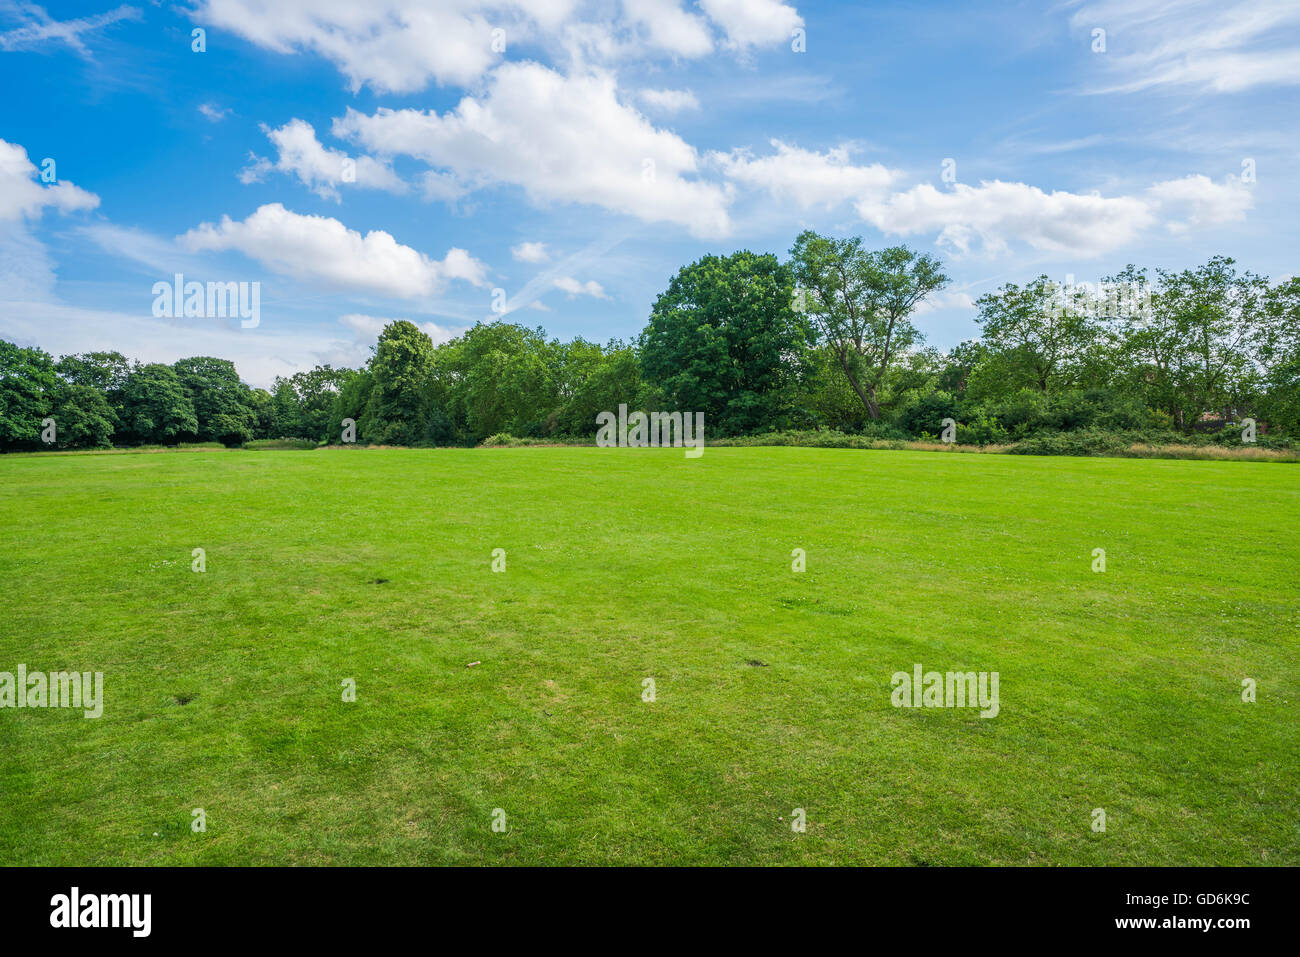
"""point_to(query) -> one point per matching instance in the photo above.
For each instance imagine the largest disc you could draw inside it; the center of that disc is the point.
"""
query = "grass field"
(1119, 690)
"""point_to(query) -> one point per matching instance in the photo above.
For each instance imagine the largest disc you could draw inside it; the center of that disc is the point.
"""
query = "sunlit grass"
(1119, 690)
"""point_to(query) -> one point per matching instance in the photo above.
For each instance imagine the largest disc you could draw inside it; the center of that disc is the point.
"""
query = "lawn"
(1119, 690)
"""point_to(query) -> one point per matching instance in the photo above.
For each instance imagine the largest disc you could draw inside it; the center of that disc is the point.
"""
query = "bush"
(926, 414)
(504, 440)
(982, 429)
(262, 445)
(1082, 442)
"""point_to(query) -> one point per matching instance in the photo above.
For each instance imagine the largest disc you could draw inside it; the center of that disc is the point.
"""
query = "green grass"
(1119, 690)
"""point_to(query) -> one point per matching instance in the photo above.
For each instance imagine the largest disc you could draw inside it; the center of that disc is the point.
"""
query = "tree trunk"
(869, 402)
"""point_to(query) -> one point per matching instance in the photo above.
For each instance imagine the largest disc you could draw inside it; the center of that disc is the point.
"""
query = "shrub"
(926, 414)
(982, 429)
(262, 445)
(1082, 442)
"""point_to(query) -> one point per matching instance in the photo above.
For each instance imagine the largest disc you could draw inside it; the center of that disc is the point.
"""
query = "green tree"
(957, 366)
(724, 340)
(27, 383)
(1043, 334)
(862, 302)
(397, 409)
(303, 403)
(603, 378)
(1279, 355)
(498, 377)
(262, 405)
(84, 418)
(221, 402)
(155, 406)
(350, 403)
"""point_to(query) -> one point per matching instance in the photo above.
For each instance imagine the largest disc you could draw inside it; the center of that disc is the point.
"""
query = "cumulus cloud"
(320, 169)
(561, 139)
(322, 249)
(1195, 201)
(991, 216)
(994, 214)
(806, 177)
(666, 26)
(368, 328)
(574, 288)
(750, 23)
(22, 195)
(530, 252)
(395, 46)
(669, 101)
(400, 46)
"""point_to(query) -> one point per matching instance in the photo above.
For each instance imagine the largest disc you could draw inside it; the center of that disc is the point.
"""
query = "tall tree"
(1279, 355)
(303, 403)
(155, 406)
(1041, 332)
(724, 340)
(1218, 317)
(27, 383)
(221, 402)
(398, 406)
(84, 417)
(862, 303)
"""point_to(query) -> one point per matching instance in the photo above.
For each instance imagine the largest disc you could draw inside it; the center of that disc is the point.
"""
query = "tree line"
(824, 340)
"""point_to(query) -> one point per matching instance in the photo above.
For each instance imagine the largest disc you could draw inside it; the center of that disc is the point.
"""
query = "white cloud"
(668, 27)
(40, 28)
(161, 255)
(212, 113)
(993, 215)
(753, 22)
(22, 196)
(530, 252)
(562, 139)
(369, 327)
(996, 213)
(808, 178)
(1216, 46)
(26, 269)
(574, 288)
(320, 169)
(400, 46)
(321, 249)
(1196, 201)
(395, 46)
(669, 101)
(944, 299)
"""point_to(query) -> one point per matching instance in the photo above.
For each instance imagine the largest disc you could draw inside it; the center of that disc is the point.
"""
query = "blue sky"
(421, 160)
